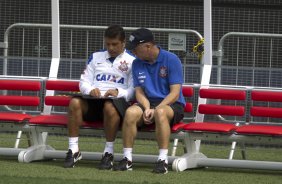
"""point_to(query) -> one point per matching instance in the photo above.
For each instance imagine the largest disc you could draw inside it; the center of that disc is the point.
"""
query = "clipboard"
(88, 96)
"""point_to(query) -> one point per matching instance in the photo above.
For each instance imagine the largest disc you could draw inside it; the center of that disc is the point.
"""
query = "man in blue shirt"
(157, 77)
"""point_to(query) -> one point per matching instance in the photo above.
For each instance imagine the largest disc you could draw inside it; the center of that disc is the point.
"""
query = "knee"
(132, 114)
(75, 104)
(109, 109)
(159, 113)
(160, 116)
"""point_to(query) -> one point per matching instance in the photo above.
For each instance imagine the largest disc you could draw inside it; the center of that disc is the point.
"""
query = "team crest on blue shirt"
(123, 66)
(163, 71)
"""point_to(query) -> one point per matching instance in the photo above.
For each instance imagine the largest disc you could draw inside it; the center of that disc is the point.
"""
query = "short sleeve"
(175, 70)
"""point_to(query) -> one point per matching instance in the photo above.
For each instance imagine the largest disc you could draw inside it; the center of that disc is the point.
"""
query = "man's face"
(141, 51)
(114, 46)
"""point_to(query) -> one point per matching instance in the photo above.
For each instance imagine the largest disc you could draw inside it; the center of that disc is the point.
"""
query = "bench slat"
(15, 117)
(24, 85)
(58, 100)
(270, 96)
(273, 112)
(224, 94)
(221, 109)
(19, 100)
(60, 120)
(260, 129)
(210, 127)
(72, 86)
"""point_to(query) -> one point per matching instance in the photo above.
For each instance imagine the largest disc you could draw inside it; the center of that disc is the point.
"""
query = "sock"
(163, 155)
(127, 152)
(109, 147)
(73, 144)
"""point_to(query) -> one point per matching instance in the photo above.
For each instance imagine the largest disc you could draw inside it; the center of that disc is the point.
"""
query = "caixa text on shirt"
(110, 78)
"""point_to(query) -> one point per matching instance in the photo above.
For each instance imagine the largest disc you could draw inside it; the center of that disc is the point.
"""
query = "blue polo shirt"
(155, 79)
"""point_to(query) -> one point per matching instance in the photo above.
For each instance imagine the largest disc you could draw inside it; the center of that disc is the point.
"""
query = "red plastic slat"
(225, 94)
(25, 85)
(188, 107)
(60, 120)
(260, 129)
(273, 112)
(19, 100)
(187, 91)
(57, 100)
(178, 126)
(222, 109)
(16, 117)
(269, 96)
(209, 127)
(62, 85)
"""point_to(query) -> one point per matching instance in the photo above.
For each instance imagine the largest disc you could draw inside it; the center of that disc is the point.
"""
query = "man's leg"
(77, 108)
(111, 124)
(133, 117)
(163, 115)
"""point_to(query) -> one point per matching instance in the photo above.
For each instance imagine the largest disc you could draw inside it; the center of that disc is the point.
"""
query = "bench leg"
(33, 153)
(243, 151)
(39, 146)
(231, 154)
(174, 147)
(19, 135)
(188, 160)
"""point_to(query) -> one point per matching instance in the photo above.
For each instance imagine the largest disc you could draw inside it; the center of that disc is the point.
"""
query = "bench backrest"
(266, 104)
(31, 88)
(222, 102)
(61, 89)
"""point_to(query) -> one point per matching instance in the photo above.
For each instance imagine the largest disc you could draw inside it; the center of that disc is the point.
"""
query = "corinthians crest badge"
(163, 71)
(123, 66)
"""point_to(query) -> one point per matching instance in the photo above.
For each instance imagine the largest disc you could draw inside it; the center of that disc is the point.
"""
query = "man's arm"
(141, 98)
(172, 96)
(86, 79)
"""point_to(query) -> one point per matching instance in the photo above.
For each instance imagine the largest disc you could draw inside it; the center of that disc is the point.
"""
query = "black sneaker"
(106, 162)
(71, 159)
(161, 167)
(123, 165)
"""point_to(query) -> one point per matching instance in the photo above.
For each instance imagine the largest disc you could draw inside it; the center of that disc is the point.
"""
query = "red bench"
(254, 121)
(56, 122)
(20, 99)
(11, 100)
(217, 110)
(266, 110)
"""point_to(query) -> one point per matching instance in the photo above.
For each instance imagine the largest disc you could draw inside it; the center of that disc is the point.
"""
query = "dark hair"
(115, 31)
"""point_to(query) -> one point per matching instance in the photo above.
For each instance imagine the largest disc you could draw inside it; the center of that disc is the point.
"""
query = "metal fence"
(28, 51)
(255, 60)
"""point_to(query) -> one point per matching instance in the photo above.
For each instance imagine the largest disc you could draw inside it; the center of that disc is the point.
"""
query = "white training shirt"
(103, 74)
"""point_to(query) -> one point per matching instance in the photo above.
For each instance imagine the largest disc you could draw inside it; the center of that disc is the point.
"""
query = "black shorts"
(95, 108)
(177, 108)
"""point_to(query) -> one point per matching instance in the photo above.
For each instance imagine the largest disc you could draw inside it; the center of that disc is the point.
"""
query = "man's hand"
(95, 92)
(148, 116)
(111, 92)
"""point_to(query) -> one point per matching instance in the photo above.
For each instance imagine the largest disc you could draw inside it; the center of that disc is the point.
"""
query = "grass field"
(86, 171)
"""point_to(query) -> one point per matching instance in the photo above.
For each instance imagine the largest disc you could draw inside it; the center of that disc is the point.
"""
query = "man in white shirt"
(108, 74)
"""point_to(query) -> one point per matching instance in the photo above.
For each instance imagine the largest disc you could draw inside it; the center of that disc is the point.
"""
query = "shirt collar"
(108, 55)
